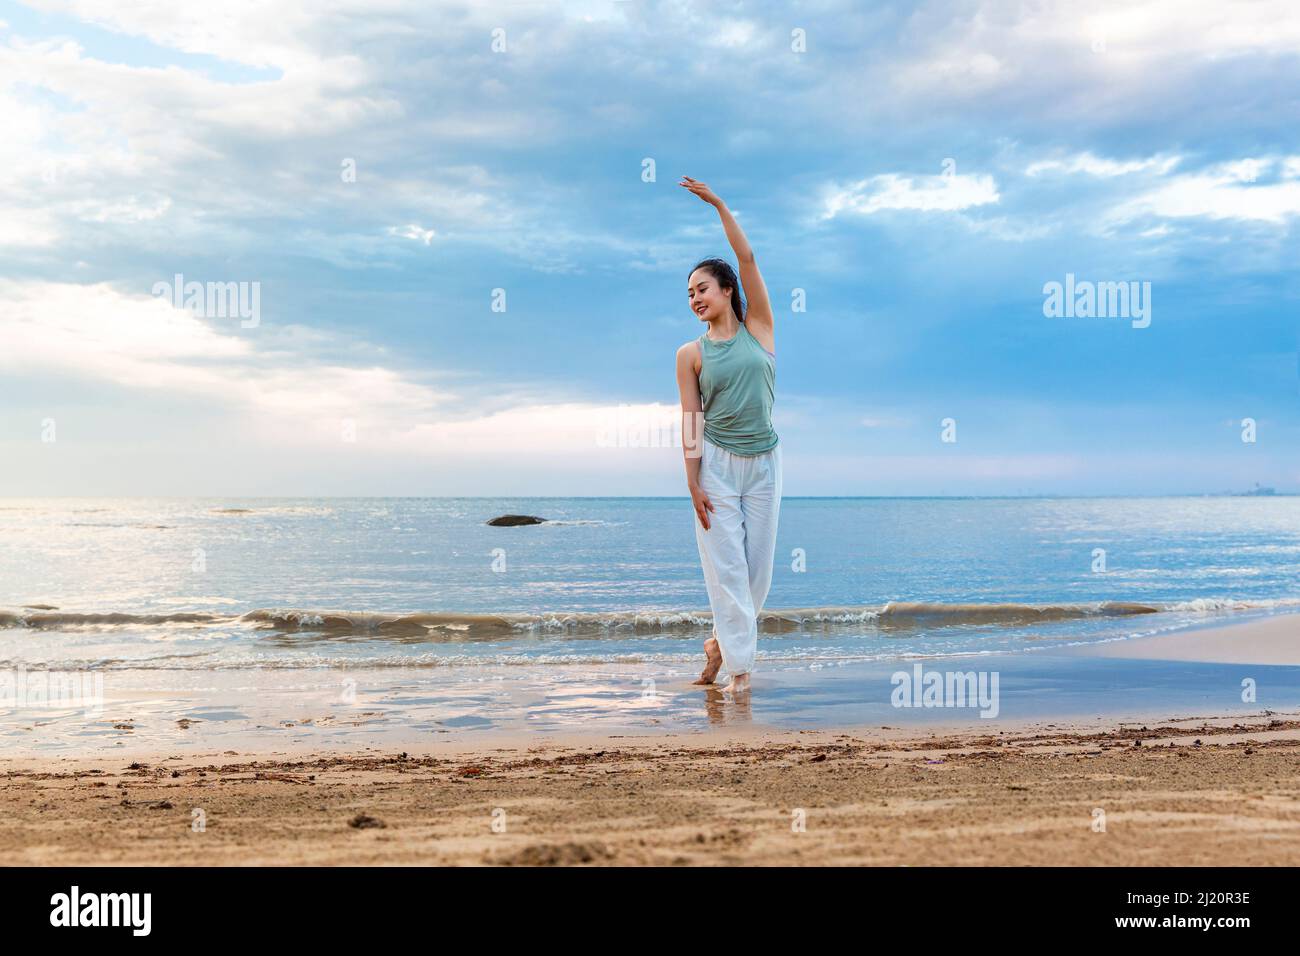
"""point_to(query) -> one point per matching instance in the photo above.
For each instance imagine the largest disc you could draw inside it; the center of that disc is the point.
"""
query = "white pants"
(738, 549)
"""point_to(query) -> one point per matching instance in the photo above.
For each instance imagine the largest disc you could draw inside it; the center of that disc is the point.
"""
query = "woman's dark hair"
(725, 276)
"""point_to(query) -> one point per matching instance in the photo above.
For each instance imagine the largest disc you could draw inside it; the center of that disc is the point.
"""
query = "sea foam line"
(641, 621)
(453, 624)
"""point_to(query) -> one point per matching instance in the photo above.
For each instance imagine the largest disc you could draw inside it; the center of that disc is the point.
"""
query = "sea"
(331, 621)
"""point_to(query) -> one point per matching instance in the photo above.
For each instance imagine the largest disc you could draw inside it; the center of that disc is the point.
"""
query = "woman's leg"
(761, 505)
(722, 556)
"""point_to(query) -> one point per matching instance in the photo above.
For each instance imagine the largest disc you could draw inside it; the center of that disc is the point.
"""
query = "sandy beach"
(1185, 792)
(1187, 789)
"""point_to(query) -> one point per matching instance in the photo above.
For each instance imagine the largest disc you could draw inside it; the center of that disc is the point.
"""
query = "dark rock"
(509, 521)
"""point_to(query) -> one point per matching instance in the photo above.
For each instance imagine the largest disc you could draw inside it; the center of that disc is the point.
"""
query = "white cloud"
(1228, 191)
(241, 31)
(127, 209)
(1105, 168)
(94, 142)
(1244, 170)
(1157, 29)
(28, 227)
(732, 34)
(97, 334)
(940, 193)
(412, 231)
(586, 429)
(1058, 66)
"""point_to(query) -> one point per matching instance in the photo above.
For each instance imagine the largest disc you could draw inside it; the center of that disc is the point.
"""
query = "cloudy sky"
(470, 253)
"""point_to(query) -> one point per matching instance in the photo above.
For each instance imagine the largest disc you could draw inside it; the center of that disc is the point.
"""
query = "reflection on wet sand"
(722, 707)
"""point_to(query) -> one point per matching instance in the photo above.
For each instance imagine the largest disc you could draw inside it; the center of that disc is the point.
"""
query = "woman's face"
(708, 300)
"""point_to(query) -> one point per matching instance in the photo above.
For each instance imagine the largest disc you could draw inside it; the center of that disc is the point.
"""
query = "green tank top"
(737, 385)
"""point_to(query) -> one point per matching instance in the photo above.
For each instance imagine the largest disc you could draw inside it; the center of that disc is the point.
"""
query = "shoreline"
(1199, 670)
(1272, 640)
(1196, 779)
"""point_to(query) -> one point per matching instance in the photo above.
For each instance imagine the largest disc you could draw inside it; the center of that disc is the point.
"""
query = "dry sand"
(1213, 792)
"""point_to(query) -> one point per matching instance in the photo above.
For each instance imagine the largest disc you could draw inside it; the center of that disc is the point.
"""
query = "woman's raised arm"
(758, 311)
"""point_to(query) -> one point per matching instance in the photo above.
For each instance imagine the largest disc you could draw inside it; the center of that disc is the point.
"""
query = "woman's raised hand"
(701, 189)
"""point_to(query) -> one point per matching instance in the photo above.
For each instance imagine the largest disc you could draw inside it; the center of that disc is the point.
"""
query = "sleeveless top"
(737, 385)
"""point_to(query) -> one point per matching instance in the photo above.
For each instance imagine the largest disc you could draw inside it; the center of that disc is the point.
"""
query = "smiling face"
(708, 300)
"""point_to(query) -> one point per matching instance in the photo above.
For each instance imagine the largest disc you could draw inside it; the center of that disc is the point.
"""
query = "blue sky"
(919, 170)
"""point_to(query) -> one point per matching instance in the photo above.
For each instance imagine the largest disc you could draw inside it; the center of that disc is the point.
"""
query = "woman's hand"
(702, 505)
(702, 190)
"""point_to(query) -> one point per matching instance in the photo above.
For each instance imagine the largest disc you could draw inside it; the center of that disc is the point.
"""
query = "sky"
(464, 253)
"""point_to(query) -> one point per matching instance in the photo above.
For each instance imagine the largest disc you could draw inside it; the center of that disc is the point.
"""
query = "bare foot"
(714, 664)
(739, 683)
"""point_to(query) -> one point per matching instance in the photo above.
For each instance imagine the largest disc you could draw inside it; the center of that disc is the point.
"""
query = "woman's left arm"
(758, 311)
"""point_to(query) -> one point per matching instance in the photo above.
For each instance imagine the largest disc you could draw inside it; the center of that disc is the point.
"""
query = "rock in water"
(509, 521)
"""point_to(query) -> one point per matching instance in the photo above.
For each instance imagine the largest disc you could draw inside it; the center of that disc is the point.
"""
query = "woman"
(727, 377)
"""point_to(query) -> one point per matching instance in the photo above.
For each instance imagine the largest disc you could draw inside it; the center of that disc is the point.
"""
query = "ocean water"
(293, 608)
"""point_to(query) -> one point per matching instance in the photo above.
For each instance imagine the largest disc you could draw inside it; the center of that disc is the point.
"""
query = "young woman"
(727, 378)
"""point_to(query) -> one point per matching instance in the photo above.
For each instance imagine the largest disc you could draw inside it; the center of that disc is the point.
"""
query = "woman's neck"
(724, 329)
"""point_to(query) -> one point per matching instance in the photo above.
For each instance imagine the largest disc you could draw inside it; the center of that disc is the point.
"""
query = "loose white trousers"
(738, 549)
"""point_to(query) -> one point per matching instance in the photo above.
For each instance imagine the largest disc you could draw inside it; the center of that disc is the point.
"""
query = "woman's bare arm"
(688, 386)
(758, 313)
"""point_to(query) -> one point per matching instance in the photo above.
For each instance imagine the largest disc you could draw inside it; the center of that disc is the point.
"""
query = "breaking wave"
(622, 622)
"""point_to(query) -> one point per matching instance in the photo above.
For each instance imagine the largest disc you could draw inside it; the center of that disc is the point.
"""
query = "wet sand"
(1223, 791)
(1270, 640)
